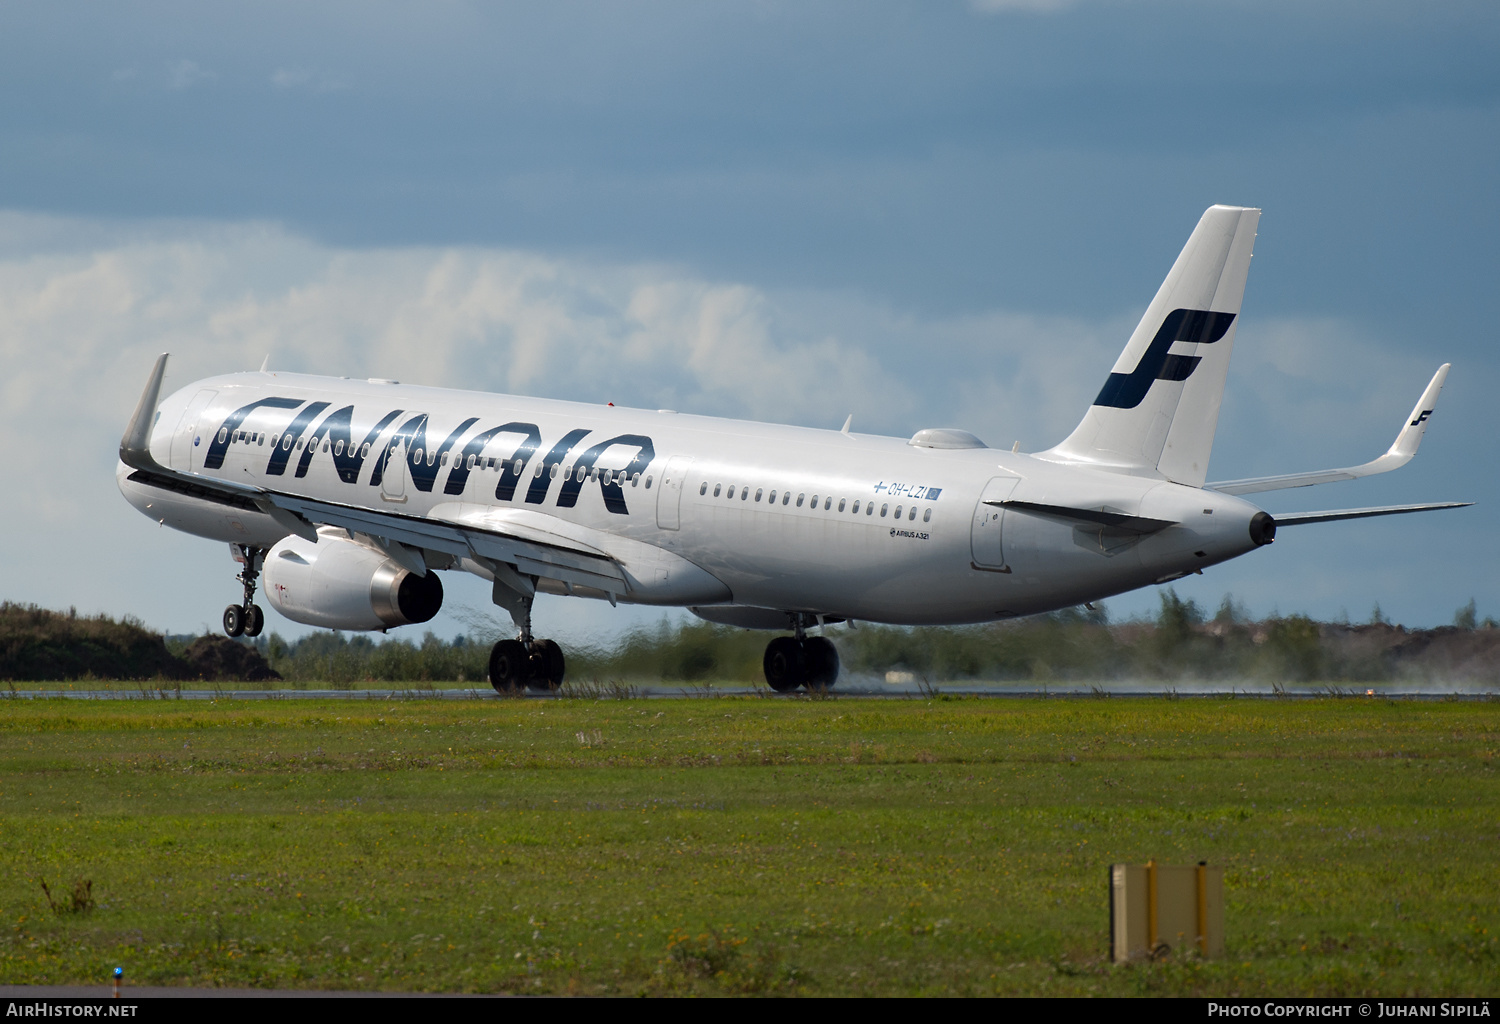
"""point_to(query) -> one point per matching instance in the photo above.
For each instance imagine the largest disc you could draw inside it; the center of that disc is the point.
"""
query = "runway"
(622, 692)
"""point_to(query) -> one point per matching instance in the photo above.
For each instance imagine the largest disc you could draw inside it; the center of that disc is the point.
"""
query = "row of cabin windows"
(473, 462)
(786, 499)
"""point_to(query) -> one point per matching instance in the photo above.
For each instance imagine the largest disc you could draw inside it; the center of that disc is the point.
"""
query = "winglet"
(1416, 423)
(135, 445)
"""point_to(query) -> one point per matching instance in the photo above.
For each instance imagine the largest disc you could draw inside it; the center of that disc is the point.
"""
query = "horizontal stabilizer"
(1091, 516)
(1398, 455)
(1333, 515)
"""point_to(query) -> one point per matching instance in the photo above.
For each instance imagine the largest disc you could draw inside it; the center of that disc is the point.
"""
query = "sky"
(937, 213)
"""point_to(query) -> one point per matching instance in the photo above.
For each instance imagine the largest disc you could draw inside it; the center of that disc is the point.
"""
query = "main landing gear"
(523, 663)
(246, 619)
(801, 660)
(526, 664)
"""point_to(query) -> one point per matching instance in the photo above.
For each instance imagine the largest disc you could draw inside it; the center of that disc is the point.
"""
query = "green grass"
(745, 845)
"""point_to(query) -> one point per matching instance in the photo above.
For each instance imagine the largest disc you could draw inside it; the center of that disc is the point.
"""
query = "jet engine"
(342, 584)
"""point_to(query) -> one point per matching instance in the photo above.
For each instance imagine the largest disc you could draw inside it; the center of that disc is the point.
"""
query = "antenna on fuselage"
(265, 362)
(847, 423)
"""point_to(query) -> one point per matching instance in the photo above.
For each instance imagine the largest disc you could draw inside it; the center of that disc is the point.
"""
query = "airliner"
(348, 498)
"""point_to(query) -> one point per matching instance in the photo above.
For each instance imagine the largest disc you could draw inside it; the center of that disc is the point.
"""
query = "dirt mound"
(218, 657)
(41, 645)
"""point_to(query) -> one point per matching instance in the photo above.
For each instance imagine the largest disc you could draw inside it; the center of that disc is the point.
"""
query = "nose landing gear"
(246, 618)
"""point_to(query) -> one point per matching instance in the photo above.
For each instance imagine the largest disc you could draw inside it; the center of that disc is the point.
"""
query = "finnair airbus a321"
(349, 496)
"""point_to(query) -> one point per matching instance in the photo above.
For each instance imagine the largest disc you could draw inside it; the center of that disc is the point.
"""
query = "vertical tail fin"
(1159, 408)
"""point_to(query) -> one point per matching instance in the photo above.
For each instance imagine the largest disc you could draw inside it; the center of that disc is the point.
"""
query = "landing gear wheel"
(547, 665)
(822, 663)
(234, 620)
(255, 620)
(509, 666)
(785, 664)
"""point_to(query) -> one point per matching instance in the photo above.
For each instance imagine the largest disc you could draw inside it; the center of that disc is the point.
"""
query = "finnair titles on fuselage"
(349, 496)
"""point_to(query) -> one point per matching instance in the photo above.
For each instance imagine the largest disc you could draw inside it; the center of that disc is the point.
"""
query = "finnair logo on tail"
(1191, 326)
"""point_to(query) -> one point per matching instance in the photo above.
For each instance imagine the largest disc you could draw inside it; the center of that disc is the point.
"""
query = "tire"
(547, 657)
(509, 665)
(255, 621)
(785, 664)
(234, 620)
(822, 663)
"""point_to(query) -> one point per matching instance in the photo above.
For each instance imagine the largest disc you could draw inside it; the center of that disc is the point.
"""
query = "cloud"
(299, 78)
(287, 78)
(85, 307)
(184, 74)
(1028, 6)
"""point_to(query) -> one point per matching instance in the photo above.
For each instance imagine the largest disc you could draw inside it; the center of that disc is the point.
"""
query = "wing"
(1398, 455)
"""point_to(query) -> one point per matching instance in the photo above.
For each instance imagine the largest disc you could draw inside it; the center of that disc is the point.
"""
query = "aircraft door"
(393, 480)
(669, 497)
(985, 534)
(186, 455)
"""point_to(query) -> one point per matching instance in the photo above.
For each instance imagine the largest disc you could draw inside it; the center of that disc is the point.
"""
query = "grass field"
(744, 845)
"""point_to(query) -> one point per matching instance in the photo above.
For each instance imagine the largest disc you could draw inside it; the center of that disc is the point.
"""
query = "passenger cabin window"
(364, 450)
(828, 504)
(286, 442)
(758, 492)
(338, 447)
(841, 504)
(927, 516)
(869, 508)
(703, 488)
(635, 479)
(882, 510)
(786, 496)
(800, 497)
(912, 515)
(773, 497)
(898, 511)
(717, 488)
(223, 434)
(552, 473)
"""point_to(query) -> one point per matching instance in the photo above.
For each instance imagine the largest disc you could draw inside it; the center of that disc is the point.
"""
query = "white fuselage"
(819, 521)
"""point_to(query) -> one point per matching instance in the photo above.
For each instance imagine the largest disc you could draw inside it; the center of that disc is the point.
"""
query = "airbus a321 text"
(348, 498)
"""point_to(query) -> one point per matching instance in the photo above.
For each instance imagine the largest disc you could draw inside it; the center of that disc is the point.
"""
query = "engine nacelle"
(340, 584)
